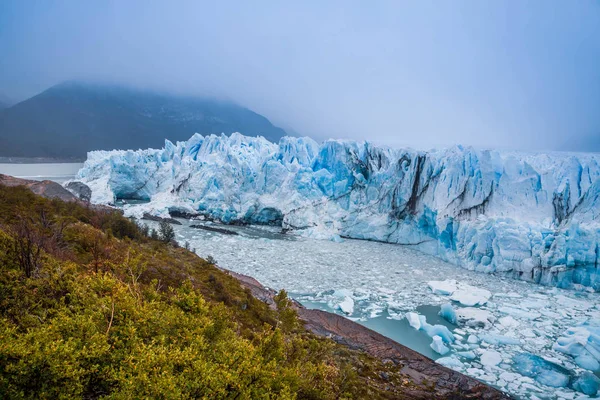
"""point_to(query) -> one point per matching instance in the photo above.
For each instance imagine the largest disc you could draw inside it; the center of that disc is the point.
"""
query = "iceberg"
(448, 313)
(438, 345)
(529, 216)
(587, 383)
(543, 371)
(583, 344)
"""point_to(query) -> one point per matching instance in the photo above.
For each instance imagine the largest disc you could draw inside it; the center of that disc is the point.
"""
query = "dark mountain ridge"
(72, 118)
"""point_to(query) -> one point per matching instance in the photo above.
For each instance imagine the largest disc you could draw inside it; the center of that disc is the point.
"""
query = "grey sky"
(511, 74)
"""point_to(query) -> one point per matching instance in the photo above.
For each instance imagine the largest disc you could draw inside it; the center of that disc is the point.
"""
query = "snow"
(528, 216)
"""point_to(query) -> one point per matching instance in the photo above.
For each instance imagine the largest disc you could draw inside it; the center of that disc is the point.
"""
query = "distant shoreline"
(39, 160)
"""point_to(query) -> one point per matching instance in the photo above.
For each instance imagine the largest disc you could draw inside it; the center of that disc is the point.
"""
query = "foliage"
(167, 233)
(103, 311)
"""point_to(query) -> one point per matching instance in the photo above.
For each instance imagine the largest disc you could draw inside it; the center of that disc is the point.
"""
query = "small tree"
(167, 233)
(288, 319)
(154, 234)
(28, 243)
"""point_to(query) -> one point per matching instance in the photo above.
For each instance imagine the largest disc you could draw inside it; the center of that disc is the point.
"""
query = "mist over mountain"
(72, 118)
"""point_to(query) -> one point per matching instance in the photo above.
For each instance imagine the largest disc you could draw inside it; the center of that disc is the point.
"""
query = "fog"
(505, 74)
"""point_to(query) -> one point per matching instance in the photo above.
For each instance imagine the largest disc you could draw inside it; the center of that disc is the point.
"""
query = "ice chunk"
(490, 358)
(446, 287)
(468, 295)
(508, 322)
(587, 383)
(413, 320)
(450, 362)
(347, 305)
(474, 317)
(545, 372)
(438, 345)
(469, 355)
(494, 338)
(583, 344)
(447, 312)
(436, 330)
(517, 312)
(473, 339)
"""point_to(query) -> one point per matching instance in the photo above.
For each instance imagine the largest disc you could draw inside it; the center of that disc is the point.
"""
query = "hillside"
(72, 118)
(94, 306)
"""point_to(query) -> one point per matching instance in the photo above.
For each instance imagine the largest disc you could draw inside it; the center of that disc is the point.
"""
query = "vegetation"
(167, 233)
(92, 307)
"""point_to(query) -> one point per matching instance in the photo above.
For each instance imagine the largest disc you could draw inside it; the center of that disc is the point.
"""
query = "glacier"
(529, 216)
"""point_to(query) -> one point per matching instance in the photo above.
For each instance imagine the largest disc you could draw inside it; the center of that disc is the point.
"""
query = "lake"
(58, 172)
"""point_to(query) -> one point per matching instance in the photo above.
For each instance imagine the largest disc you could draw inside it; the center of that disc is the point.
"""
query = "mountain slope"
(72, 118)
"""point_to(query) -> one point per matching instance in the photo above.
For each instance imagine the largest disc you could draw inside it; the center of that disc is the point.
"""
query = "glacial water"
(58, 172)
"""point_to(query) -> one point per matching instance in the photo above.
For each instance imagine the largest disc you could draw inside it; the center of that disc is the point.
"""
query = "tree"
(28, 243)
(167, 233)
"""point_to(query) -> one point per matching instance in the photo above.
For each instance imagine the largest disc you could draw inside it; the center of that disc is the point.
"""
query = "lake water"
(39, 172)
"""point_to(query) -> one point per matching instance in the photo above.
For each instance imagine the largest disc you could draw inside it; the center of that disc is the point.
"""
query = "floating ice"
(490, 358)
(447, 312)
(474, 317)
(436, 330)
(347, 305)
(450, 362)
(466, 354)
(493, 338)
(587, 383)
(583, 344)
(473, 339)
(543, 371)
(468, 295)
(438, 345)
(446, 287)
(413, 320)
(461, 292)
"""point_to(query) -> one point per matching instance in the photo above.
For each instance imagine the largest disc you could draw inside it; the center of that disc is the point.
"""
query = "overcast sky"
(509, 74)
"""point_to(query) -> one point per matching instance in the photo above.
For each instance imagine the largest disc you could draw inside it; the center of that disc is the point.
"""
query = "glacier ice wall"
(530, 216)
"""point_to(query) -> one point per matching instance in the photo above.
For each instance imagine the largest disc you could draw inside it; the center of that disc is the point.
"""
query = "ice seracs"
(528, 216)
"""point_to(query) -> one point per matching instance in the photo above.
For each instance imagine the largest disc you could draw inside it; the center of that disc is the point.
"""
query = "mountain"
(530, 216)
(73, 118)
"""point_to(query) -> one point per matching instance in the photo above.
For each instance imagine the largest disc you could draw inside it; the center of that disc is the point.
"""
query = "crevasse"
(530, 216)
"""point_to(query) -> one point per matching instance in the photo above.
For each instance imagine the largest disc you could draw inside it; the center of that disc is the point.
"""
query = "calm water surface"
(58, 172)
